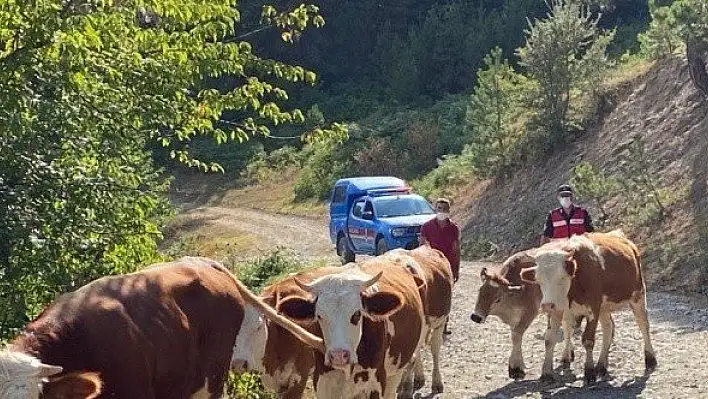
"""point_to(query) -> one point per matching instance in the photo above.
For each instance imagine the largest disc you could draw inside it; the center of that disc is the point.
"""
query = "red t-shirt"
(443, 237)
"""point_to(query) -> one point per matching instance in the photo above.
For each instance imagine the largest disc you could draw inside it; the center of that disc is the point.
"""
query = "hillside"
(500, 216)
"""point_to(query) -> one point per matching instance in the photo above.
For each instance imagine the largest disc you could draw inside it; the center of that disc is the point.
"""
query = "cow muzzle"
(339, 358)
(239, 365)
(548, 307)
(477, 318)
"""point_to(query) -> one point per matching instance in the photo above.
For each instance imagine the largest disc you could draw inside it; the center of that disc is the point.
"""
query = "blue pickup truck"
(370, 215)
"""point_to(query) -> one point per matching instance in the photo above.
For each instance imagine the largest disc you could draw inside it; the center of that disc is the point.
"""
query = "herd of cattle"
(174, 330)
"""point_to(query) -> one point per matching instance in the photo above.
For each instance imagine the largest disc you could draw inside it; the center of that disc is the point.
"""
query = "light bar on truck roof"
(389, 191)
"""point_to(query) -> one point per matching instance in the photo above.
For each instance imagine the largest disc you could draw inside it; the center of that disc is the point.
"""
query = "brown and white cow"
(435, 273)
(166, 331)
(286, 362)
(590, 276)
(372, 321)
(514, 302)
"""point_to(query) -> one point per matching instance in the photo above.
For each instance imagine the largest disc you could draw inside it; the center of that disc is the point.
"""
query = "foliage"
(492, 110)
(454, 171)
(327, 162)
(85, 89)
(264, 270)
(566, 55)
(265, 166)
(246, 386)
(661, 39)
(593, 184)
(643, 194)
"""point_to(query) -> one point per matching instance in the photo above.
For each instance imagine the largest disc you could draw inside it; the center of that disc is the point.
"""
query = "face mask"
(442, 216)
(566, 202)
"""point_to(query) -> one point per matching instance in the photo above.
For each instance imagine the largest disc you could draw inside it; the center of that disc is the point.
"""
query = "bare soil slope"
(668, 112)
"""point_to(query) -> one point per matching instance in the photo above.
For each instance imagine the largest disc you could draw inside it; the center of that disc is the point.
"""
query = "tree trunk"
(697, 53)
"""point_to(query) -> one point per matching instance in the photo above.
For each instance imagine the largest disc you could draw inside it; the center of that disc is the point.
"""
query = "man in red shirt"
(442, 234)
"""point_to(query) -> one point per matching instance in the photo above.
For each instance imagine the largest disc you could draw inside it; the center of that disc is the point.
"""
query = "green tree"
(593, 184)
(565, 53)
(85, 86)
(492, 111)
(662, 38)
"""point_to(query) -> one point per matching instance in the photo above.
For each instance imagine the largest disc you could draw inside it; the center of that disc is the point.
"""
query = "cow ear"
(571, 266)
(77, 385)
(528, 275)
(297, 307)
(419, 281)
(380, 305)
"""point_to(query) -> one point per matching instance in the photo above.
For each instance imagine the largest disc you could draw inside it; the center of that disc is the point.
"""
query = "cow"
(590, 276)
(286, 363)
(514, 302)
(166, 331)
(372, 321)
(436, 282)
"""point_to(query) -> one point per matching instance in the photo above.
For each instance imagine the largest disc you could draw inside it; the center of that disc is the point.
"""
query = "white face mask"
(442, 216)
(565, 202)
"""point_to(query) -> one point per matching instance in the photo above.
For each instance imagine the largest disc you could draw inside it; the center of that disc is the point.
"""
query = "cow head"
(554, 272)
(250, 345)
(494, 292)
(26, 377)
(338, 304)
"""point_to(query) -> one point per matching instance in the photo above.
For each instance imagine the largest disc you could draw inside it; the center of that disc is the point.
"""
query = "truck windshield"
(388, 207)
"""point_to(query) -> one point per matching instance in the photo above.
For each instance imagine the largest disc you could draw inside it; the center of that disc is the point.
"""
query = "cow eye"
(497, 300)
(356, 317)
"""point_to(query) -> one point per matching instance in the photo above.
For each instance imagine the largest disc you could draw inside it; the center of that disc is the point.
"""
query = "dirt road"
(474, 360)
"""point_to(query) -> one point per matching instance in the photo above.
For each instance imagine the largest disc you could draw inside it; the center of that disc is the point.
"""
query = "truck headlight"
(398, 232)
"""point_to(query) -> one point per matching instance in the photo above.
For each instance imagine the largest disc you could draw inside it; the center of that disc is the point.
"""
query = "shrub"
(328, 161)
(594, 185)
(454, 171)
(566, 55)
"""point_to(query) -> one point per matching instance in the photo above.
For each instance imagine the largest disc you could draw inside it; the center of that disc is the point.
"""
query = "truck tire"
(381, 247)
(345, 254)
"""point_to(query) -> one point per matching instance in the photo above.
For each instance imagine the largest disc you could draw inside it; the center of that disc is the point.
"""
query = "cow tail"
(270, 313)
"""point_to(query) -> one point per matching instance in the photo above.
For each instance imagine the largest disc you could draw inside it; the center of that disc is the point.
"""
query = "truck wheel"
(381, 246)
(345, 254)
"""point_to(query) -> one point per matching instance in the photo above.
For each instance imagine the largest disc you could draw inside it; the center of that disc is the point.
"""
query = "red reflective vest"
(562, 228)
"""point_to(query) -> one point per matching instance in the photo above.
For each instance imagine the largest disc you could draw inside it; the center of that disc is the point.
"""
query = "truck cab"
(371, 215)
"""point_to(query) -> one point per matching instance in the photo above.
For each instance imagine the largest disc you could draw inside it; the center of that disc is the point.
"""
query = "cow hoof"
(418, 383)
(547, 378)
(649, 361)
(517, 373)
(601, 370)
(590, 376)
(437, 388)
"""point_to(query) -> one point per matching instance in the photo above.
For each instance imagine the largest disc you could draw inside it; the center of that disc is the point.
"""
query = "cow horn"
(371, 281)
(306, 287)
(514, 287)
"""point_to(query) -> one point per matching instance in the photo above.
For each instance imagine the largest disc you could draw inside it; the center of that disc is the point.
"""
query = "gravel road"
(474, 359)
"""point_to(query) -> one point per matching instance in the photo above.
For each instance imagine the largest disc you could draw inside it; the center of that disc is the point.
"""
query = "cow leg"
(394, 381)
(639, 308)
(608, 334)
(419, 373)
(550, 341)
(516, 359)
(568, 325)
(436, 342)
(589, 345)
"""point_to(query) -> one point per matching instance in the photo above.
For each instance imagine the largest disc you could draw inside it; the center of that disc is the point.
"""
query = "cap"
(564, 190)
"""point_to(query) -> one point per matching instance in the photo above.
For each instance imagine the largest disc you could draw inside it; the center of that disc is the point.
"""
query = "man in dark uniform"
(568, 220)
(564, 222)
